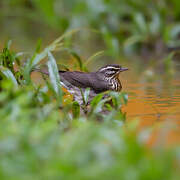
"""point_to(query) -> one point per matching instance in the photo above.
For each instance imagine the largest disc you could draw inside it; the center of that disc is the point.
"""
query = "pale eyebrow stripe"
(109, 68)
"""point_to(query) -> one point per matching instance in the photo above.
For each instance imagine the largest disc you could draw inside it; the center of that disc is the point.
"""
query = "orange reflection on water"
(156, 105)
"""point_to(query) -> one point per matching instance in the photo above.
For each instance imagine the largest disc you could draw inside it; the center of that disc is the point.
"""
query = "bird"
(104, 79)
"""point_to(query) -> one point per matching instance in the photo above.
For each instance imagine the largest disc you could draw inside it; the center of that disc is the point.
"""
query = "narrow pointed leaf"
(94, 56)
(86, 95)
(78, 59)
(54, 77)
(75, 109)
(8, 74)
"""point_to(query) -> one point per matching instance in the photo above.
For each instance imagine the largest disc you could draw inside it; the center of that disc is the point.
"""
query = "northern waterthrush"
(106, 78)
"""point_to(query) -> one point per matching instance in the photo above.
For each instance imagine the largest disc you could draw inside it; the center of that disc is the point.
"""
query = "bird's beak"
(123, 69)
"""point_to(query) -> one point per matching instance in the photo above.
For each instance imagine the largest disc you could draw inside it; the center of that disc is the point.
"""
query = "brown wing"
(75, 78)
(83, 80)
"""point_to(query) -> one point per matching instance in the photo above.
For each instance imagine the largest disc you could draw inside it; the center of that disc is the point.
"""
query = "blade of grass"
(53, 46)
(8, 74)
(54, 77)
(78, 59)
(133, 40)
(97, 103)
(37, 57)
(75, 109)
(40, 56)
(94, 56)
(118, 99)
(85, 95)
(69, 33)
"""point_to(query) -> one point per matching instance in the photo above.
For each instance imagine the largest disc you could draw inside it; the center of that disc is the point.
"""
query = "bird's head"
(111, 70)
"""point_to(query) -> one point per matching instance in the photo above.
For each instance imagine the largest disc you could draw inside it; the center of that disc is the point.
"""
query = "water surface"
(154, 99)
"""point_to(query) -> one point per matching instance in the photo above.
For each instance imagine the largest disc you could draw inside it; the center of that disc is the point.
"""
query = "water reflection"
(154, 101)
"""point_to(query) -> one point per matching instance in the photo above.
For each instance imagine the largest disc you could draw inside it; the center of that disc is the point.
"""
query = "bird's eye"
(110, 72)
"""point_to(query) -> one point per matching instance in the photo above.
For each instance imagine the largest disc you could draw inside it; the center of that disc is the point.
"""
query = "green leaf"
(133, 40)
(94, 56)
(141, 23)
(7, 57)
(96, 100)
(8, 45)
(8, 74)
(85, 95)
(97, 103)
(67, 34)
(55, 45)
(54, 77)
(75, 109)
(78, 59)
(38, 46)
(118, 99)
(125, 97)
(38, 57)
(111, 42)
(155, 25)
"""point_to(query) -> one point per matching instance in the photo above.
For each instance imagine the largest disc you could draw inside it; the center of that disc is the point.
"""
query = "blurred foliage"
(39, 140)
(126, 26)
(43, 135)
